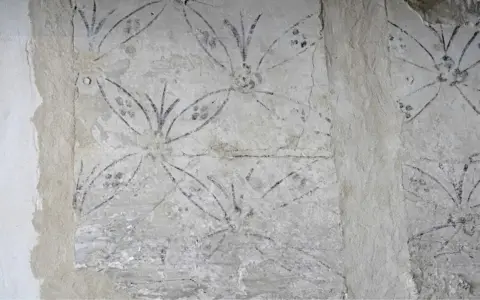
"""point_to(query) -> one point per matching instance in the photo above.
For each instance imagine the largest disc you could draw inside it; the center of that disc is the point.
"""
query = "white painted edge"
(19, 176)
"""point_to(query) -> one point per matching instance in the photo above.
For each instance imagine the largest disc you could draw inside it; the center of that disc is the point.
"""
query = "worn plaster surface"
(366, 140)
(202, 151)
(255, 149)
(437, 68)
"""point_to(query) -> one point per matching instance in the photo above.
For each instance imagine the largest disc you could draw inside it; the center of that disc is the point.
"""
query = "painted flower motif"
(239, 227)
(237, 49)
(98, 33)
(109, 179)
(448, 67)
(153, 127)
(445, 209)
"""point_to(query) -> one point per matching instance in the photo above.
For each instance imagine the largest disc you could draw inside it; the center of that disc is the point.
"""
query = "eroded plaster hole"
(87, 80)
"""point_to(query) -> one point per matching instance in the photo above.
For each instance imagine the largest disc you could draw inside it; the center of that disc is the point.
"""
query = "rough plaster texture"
(53, 257)
(203, 157)
(437, 70)
(366, 140)
(254, 149)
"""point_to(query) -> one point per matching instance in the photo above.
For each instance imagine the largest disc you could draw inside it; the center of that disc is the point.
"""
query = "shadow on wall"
(447, 11)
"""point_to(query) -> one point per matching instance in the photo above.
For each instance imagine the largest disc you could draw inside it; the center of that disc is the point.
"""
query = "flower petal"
(298, 184)
(134, 114)
(469, 55)
(429, 186)
(197, 115)
(295, 40)
(470, 93)
(196, 192)
(417, 48)
(103, 182)
(418, 99)
(207, 38)
(128, 26)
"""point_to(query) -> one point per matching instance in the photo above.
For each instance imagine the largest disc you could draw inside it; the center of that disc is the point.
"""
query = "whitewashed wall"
(18, 154)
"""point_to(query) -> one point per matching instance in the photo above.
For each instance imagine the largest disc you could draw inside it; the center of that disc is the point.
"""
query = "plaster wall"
(18, 155)
(253, 150)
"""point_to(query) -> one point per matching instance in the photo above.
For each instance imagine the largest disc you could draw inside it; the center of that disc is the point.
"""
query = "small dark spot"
(204, 116)
(295, 31)
(123, 112)
(304, 44)
(303, 182)
(128, 103)
(131, 114)
(195, 108)
(115, 184)
(408, 108)
(119, 175)
(131, 50)
(186, 208)
(119, 100)
(390, 37)
(151, 13)
(108, 176)
(294, 42)
(400, 104)
(441, 78)
(408, 116)
(328, 120)
(195, 115)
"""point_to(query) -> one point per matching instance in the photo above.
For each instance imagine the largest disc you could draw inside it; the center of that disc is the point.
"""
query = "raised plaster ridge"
(366, 140)
(52, 259)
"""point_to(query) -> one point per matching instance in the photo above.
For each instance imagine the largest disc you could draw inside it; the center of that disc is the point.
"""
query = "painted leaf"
(208, 39)
(295, 40)
(128, 26)
(296, 185)
(430, 187)
(468, 72)
(443, 212)
(102, 184)
(419, 98)
(134, 112)
(196, 115)
(468, 40)
(196, 192)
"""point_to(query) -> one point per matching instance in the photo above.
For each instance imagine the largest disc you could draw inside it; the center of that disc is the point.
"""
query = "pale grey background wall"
(18, 154)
